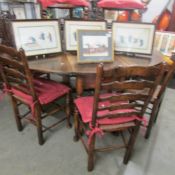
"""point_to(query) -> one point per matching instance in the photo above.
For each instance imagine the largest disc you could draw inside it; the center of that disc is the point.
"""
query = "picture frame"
(71, 27)
(165, 42)
(38, 11)
(95, 46)
(30, 10)
(110, 15)
(37, 37)
(60, 13)
(4, 6)
(18, 10)
(133, 38)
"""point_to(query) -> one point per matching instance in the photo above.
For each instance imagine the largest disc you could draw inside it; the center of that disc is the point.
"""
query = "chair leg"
(151, 120)
(76, 125)
(130, 145)
(17, 115)
(91, 154)
(68, 110)
(157, 111)
(39, 126)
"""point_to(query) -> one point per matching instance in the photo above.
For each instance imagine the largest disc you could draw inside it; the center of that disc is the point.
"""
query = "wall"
(155, 8)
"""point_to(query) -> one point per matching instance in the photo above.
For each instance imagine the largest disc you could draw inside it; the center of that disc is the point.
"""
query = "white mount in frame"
(133, 37)
(37, 37)
(72, 26)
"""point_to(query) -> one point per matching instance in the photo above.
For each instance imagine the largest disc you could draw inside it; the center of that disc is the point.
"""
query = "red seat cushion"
(46, 90)
(123, 4)
(46, 3)
(85, 107)
(77, 2)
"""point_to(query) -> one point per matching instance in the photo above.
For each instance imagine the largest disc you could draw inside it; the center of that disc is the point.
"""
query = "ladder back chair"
(156, 100)
(118, 105)
(41, 96)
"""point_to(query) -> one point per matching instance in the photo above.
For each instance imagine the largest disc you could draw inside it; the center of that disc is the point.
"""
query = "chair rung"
(110, 148)
(110, 128)
(24, 115)
(84, 144)
(51, 126)
(51, 112)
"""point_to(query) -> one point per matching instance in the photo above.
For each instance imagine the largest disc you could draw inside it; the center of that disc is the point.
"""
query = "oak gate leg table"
(67, 66)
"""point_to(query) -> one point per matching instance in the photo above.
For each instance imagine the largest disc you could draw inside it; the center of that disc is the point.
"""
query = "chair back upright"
(170, 69)
(125, 89)
(15, 71)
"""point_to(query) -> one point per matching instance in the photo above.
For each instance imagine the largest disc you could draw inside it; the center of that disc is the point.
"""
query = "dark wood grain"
(67, 63)
(19, 83)
(124, 98)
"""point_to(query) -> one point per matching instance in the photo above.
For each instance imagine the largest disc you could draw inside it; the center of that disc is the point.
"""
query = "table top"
(66, 63)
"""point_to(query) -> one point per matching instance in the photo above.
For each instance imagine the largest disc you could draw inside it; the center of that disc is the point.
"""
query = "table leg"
(79, 85)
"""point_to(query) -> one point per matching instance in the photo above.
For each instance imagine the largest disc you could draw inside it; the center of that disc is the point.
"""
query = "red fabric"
(46, 3)
(77, 2)
(85, 107)
(123, 4)
(46, 91)
(93, 131)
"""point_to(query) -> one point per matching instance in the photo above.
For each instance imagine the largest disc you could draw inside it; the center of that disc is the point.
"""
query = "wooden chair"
(156, 100)
(40, 95)
(116, 106)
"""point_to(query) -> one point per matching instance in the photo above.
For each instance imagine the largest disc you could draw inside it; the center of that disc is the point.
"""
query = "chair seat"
(121, 4)
(46, 90)
(85, 107)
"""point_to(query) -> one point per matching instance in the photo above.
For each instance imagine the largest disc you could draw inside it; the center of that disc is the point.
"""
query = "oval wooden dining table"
(66, 64)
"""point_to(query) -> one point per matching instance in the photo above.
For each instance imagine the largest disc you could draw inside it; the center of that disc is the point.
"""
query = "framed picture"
(60, 13)
(37, 8)
(37, 37)
(165, 42)
(95, 46)
(4, 6)
(18, 10)
(133, 37)
(110, 15)
(30, 10)
(71, 28)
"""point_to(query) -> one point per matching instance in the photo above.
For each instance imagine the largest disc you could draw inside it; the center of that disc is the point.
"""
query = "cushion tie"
(4, 91)
(32, 106)
(142, 119)
(94, 130)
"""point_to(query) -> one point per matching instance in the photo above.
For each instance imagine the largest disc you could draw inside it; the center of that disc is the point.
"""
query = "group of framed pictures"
(91, 39)
(27, 10)
(165, 42)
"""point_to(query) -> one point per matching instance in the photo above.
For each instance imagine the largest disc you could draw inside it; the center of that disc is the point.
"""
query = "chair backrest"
(128, 90)
(15, 71)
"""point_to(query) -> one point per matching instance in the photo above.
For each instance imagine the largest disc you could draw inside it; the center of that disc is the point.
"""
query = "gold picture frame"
(95, 46)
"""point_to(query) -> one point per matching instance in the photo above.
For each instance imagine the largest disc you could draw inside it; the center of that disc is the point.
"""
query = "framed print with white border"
(133, 37)
(71, 27)
(37, 37)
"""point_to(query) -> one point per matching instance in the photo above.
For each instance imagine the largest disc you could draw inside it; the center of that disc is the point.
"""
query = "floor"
(20, 153)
